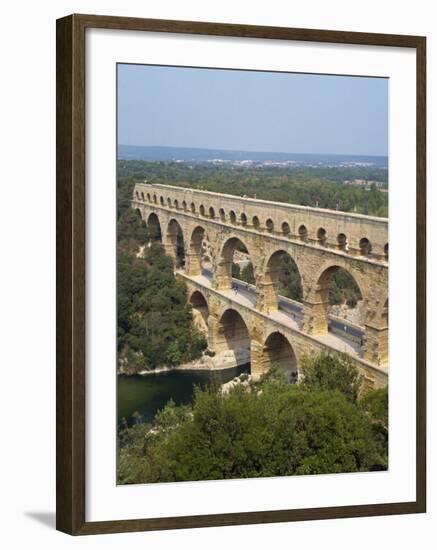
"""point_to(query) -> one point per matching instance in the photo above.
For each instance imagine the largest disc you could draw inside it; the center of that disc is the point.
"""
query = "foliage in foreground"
(328, 372)
(272, 428)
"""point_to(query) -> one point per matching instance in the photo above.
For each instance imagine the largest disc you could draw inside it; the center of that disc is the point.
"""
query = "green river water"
(148, 394)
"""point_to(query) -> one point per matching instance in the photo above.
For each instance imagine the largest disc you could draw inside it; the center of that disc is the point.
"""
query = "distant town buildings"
(367, 184)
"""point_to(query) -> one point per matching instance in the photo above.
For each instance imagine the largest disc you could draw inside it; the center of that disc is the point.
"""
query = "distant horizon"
(150, 146)
(253, 111)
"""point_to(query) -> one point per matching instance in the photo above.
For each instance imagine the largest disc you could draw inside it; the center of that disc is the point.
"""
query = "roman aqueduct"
(319, 241)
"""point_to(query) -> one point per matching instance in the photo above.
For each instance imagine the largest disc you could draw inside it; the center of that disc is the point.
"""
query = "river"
(148, 394)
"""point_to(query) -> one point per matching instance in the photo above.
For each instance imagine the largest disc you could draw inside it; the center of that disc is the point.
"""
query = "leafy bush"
(331, 372)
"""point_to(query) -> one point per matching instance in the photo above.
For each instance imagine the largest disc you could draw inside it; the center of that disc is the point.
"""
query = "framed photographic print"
(237, 206)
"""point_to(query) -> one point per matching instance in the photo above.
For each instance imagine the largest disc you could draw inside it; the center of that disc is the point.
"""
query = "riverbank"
(141, 397)
(228, 359)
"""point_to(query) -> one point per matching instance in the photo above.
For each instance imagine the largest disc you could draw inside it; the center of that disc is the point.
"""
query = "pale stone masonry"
(319, 241)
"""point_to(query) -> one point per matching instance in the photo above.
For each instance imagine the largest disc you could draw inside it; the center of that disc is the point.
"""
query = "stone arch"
(176, 204)
(342, 242)
(386, 250)
(154, 227)
(193, 208)
(243, 219)
(222, 215)
(169, 202)
(148, 197)
(142, 196)
(175, 238)
(365, 246)
(321, 236)
(223, 272)
(155, 200)
(137, 195)
(232, 217)
(194, 255)
(202, 210)
(282, 277)
(161, 200)
(255, 222)
(285, 228)
(184, 206)
(200, 311)
(211, 212)
(270, 225)
(233, 335)
(138, 213)
(278, 352)
(323, 291)
(303, 233)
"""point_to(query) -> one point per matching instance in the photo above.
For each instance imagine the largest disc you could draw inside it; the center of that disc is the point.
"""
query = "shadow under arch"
(154, 227)
(197, 253)
(175, 237)
(279, 353)
(200, 311)
(233, 335)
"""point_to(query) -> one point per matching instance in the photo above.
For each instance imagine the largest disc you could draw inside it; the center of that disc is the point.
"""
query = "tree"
(331, 372)
(247, 274)
(270, 428)
(155, 324)
(375, 405)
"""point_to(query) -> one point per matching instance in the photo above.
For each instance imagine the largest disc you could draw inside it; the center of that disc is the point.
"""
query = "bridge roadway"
(345, 330)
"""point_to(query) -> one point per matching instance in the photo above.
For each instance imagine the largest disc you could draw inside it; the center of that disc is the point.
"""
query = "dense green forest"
(266, 428)
(308, 186)
(155, 324)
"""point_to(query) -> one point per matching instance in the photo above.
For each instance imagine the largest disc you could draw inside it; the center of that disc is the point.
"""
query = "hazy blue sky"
(252, 111)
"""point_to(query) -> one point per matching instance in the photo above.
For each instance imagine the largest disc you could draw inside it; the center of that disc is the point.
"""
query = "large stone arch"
(274, 268)
(278, 352)
(233, 335)
(175, 242)
(316, 295)
(200, 311)
(223, 265)
(194, 249)
(154, 226)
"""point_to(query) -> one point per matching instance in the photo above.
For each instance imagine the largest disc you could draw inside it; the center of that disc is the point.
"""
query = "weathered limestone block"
(257, 366)
(376, 345)
(192, 263)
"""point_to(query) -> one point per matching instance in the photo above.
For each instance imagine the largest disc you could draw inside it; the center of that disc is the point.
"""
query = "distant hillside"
(198, 155)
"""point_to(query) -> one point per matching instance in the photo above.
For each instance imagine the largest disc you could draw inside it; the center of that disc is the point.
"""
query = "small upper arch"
(365, 246)
(303, 233)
